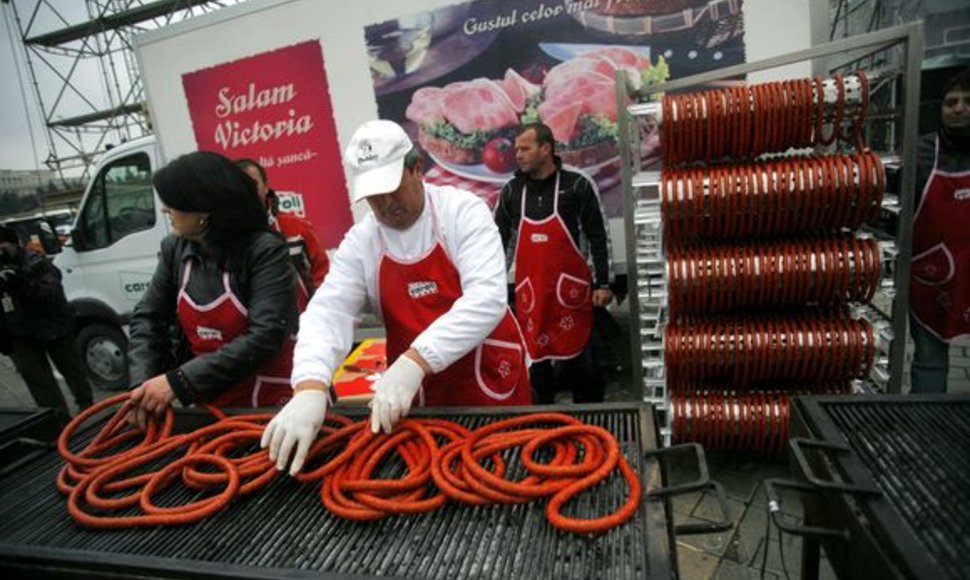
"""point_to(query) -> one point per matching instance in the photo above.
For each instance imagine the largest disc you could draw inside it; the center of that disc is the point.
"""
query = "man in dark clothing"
(940, 270)
(304, 248)
(36, 323)
(554, 293)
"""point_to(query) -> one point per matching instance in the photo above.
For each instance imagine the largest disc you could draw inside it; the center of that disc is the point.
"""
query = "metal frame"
(77, 125)
(833, 55)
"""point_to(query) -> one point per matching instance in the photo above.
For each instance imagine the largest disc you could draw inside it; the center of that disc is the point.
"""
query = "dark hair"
(411, 158)
(960, 80)
(245, 163)
(8, 234)
(543, 134)
(210, 183)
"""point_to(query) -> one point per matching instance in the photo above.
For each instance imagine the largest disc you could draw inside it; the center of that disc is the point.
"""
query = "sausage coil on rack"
(750, 420)
(789, 196)
(718, 277)
(748, 121)
(742, 350)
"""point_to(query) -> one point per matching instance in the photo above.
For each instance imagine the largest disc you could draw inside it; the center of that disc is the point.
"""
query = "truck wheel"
(104, 351)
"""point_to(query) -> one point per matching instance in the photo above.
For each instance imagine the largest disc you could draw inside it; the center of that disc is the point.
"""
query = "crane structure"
(81, 72)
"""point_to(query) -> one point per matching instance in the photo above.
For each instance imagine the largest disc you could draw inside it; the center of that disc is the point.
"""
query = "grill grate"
(919, 456)
(284, 526)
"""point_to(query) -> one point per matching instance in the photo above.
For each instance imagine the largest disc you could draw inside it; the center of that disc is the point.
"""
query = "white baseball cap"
(375, 158)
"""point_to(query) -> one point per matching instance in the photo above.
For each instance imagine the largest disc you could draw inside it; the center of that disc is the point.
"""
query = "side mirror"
(78, 239)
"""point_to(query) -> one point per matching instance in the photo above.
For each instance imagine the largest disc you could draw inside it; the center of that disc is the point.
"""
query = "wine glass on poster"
(398, 47)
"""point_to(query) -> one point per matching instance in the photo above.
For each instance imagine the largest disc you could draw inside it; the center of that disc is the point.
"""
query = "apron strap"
(185, 275)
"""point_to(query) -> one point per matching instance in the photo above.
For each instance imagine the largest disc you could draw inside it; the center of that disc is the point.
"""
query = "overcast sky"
(88, 76)
(15, 150)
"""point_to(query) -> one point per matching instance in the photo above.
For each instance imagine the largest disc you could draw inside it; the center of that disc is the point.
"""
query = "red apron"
(208, 327)
(553, 298)
(940, 270)
(412, 295)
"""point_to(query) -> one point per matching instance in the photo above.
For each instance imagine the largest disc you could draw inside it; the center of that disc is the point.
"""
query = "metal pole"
(630, 233)
(907, 183)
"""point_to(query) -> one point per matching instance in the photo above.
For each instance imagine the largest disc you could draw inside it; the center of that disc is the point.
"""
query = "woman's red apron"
(553, 289)
(412, 295)
(211, 326)
(940, 270)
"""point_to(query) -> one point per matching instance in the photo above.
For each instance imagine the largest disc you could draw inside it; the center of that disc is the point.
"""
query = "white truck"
(112, 254)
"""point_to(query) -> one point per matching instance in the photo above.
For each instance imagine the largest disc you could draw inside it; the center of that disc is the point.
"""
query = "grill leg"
(810, 558)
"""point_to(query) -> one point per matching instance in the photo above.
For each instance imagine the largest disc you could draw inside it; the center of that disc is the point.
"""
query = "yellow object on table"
(359, 371)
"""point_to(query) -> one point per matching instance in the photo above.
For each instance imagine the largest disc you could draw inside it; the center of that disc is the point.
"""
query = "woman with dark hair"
(223, 276)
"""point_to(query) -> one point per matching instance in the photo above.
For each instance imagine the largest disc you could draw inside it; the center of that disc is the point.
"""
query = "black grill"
(36, 424)
(913, 455)
(284, 531)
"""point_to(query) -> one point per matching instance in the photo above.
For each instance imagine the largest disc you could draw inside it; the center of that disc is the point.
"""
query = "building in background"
(41, 190)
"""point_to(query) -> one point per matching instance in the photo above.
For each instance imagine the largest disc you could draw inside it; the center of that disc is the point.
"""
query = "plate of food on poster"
(467, 126)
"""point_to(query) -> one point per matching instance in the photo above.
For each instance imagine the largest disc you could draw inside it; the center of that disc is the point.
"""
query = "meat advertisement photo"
(278, 113)
(460, 79)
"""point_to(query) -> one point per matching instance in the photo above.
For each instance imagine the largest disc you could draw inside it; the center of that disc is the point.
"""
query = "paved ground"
(736, 554)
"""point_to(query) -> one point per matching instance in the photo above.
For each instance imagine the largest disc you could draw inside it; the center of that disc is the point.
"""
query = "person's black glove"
(7, 276)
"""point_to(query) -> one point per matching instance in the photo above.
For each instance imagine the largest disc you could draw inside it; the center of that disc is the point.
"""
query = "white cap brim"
(378, 181)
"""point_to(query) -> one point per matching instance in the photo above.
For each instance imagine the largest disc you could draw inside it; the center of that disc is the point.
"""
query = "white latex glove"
(297, 424)
(394, 392)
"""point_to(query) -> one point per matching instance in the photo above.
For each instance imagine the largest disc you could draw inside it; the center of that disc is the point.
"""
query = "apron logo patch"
(539, 238)
(961, 194)
(945, 300)
(206, 333)
(421, 289)
(505, 369)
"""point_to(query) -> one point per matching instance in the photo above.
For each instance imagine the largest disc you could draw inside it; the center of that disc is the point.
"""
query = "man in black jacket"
(36, 323)
(554, 293)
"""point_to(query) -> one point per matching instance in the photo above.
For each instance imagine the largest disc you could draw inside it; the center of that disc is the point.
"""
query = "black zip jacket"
(34, 304)
(579, 207)
(266, 287)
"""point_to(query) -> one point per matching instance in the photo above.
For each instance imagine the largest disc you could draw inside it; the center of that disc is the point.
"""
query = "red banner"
(275, 108)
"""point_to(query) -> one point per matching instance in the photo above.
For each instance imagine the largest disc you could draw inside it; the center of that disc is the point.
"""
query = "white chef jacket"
(472, 241)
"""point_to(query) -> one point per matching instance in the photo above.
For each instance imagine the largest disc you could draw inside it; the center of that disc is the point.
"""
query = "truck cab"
(109, 261)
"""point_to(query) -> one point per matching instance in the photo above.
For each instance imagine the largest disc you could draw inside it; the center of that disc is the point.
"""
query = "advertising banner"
(462, 78)
(274, 107)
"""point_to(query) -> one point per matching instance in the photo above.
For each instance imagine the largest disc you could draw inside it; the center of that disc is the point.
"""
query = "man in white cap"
(429, 261)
